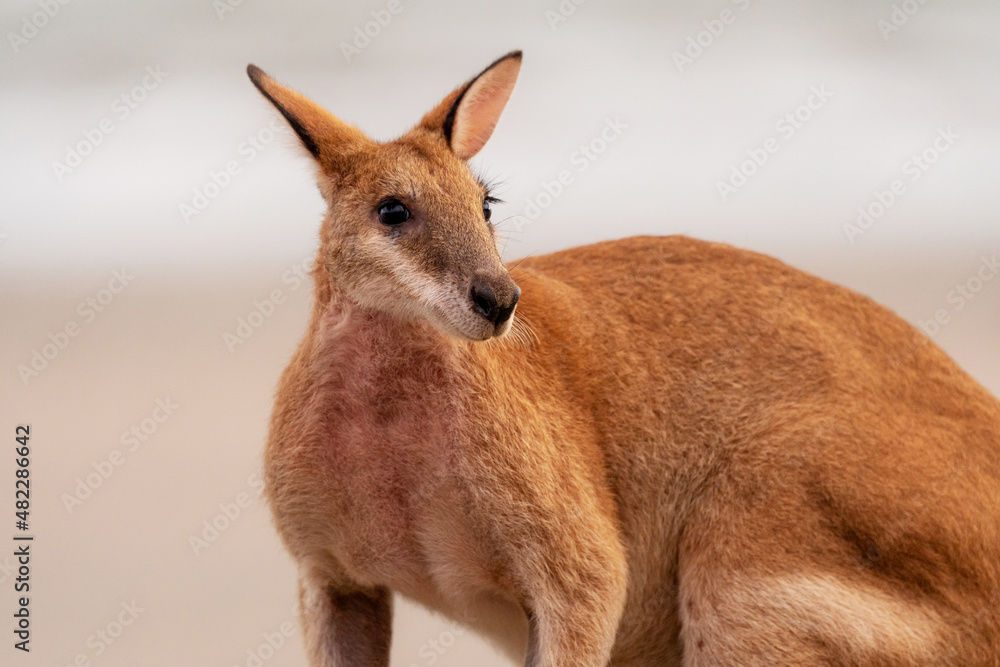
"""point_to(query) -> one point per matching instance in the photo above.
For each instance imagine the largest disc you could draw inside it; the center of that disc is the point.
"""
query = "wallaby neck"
(354, 333)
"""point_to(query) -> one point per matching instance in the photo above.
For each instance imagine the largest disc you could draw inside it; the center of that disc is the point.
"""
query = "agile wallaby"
(665, 452)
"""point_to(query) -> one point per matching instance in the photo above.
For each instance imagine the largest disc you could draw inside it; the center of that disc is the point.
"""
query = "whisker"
(497, 223)
(517, 262)
(522, 333)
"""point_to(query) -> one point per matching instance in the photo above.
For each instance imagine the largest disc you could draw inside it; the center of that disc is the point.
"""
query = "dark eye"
(487, 212)
(393, 213)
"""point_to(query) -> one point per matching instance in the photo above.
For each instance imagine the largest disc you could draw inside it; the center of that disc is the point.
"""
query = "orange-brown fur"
(683, 453)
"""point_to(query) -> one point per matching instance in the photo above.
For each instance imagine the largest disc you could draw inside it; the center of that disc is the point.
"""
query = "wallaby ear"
(326, 137)
(469, 114)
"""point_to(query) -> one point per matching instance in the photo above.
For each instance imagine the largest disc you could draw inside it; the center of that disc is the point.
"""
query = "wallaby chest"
(378, 418)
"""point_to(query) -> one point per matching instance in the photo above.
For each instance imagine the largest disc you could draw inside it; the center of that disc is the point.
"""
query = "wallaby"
(647, 452)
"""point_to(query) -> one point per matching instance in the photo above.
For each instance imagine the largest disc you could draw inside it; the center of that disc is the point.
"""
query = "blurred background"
(157, 216)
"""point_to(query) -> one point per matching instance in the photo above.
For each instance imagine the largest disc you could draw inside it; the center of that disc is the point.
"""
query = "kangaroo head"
(407, 229)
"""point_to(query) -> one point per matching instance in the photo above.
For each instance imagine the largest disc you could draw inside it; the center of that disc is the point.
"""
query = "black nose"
(485, 302)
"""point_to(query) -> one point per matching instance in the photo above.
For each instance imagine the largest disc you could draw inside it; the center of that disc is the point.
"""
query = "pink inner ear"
(481, 106)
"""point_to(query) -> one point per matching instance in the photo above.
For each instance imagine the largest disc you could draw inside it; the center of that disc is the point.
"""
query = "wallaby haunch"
(654, 451)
